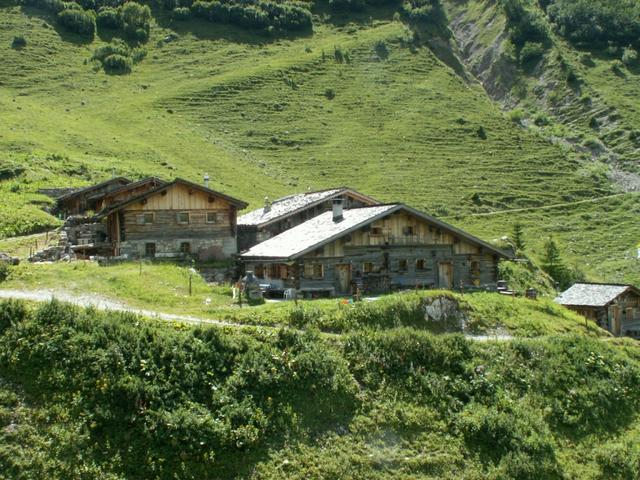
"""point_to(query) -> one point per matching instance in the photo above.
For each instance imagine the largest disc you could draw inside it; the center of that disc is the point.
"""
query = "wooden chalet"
(615, 308)
(171, 219)
(287, 212)
(79, 202)
(376, 249)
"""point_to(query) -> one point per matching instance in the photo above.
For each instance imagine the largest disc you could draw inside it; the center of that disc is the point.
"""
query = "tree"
(518, 237)
(554, 265)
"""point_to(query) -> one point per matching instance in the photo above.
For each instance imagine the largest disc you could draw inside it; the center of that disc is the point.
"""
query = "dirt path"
(101, 303)
(546, 207)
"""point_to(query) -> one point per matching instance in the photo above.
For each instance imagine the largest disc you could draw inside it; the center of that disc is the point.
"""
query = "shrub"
(181, 13)
(4, 271)
(136, 20)
(541, 120)
(351, 5)
(330, 93)
(11, 313)
(481, 132)
(629, 56)
(516, 115)
(525, 23)
(617, 67)
(78, 21)
(531, 52)
(19, 42)
(116, 47)
(381, 49)
(587, 60)
(256, 14)
(596, 22)
(117, 64)
(109, 18)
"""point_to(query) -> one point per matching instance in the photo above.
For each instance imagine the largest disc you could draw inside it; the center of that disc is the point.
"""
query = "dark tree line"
(594, 22)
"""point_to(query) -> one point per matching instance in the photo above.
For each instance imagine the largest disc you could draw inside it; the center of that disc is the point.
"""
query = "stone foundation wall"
(202, 249)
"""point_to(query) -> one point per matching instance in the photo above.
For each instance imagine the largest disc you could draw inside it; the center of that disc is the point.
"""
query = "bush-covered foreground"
(92, 395)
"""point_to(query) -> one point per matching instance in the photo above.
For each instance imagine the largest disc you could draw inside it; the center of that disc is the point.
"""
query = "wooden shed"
(613, 307)
(79, 202)
(374, 249)
(174, 219)
(287, 212)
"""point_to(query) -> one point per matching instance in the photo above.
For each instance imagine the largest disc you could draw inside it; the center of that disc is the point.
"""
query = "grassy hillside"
(128, 285)
(114, 396)
(358, 101)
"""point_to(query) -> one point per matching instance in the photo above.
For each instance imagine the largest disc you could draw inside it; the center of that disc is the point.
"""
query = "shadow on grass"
(52, 19)
(206, 30)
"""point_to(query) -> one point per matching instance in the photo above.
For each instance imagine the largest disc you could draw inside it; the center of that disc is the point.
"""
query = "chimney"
(206, 180)
(337, 209)
(267, 204)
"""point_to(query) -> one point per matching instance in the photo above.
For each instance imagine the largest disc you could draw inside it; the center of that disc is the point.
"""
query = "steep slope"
(358, 102)
(134, 398)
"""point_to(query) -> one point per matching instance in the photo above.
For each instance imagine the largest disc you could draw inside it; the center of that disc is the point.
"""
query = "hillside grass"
(163, 287)
(115, 396)
(254, 112)
(598, 237)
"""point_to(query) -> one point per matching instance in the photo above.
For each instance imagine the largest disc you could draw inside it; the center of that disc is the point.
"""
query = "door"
(445, 275)
(343, 279)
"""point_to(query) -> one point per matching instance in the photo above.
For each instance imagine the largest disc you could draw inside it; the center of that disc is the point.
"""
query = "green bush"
(136, 20)
(596, 22)
(531, 52)
(181, 13)
(517, 115)
(262, 15)
(19, 42)
(351, 5)
(117, 64)
(79, 21)
(629, 56)
(525, 23)
(4, 271)
(109, 18)
(116, 47)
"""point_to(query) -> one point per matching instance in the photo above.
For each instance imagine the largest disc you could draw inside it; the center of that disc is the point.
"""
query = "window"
(185, 247)
(214, 217)
(403, 265)
(367, 267)
(313, 270)
(408, 231)
(183, 217)
(274, 270)
(376, 230)
(421, 264)
(150, 249)
(144, 218)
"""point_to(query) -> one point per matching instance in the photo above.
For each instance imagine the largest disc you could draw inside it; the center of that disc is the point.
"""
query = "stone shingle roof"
(321, 230)
(316, 232)
(283, 207)
(591, 294)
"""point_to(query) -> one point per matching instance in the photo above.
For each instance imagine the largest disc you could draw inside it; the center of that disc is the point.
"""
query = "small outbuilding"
(615, 308)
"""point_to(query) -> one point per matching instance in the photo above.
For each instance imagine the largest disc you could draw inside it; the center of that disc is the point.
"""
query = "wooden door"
(343, 278)
(445, 275)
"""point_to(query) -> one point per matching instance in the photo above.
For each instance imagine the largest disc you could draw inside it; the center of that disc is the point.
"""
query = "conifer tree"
(518, 237)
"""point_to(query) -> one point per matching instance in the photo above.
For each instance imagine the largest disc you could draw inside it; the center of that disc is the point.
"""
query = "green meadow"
(267, 116)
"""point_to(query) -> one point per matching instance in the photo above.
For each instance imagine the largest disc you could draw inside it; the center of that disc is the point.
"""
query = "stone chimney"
(337, 209)
(206, 180)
